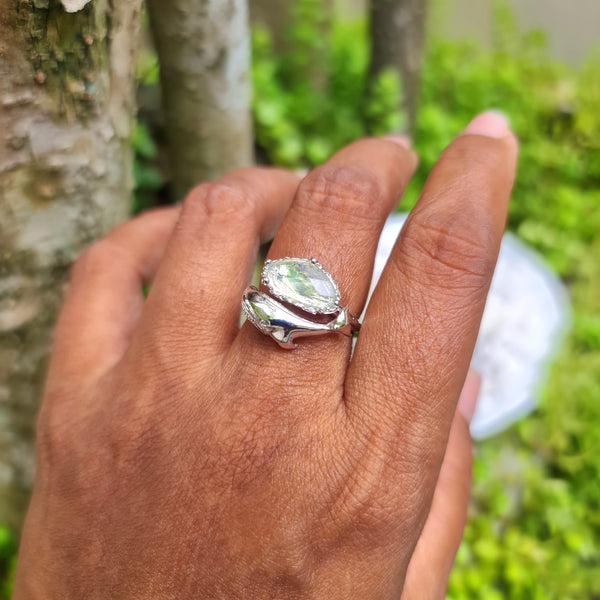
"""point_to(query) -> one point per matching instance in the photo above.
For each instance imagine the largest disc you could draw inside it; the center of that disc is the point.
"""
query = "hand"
(180, 456)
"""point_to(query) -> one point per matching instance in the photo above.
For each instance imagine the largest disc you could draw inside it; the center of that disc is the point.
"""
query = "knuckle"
(461, 254)
(220, 199)
(351, 191)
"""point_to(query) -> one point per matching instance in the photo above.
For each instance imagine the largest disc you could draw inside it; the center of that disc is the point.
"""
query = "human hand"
(180, 456)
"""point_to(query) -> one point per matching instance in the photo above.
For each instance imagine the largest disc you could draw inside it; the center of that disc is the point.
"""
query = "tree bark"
(204, 54)
(398, 40)
(66, 107)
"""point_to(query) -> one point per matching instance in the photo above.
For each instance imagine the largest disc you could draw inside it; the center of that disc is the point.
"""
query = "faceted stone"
(303, 283)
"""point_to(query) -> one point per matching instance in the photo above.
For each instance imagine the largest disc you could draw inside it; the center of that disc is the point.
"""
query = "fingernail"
(400, 139)
(492, 123)
(468, 397)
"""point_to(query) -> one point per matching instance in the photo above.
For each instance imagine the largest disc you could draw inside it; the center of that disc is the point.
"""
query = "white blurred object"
(527, 312)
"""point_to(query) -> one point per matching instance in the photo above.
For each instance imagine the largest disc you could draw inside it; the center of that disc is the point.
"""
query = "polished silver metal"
(289, 281)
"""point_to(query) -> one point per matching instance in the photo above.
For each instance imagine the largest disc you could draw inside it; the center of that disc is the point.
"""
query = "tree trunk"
(204, 54)
(398, 39)
(275, 15)
(66, 107)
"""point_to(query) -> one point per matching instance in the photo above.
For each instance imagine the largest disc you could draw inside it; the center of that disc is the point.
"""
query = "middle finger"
(336, 217)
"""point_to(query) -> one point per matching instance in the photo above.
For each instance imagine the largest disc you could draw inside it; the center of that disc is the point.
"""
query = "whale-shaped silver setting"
(276, 320)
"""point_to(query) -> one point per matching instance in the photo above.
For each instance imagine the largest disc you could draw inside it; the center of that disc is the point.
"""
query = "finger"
(104, 296)
(194, 306)
(337, 217)
(432, 560)
(419, 331)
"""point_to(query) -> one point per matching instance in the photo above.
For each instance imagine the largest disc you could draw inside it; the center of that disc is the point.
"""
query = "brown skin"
(182, 457)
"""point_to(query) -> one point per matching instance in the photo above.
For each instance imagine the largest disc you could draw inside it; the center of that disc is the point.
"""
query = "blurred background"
(91, 136)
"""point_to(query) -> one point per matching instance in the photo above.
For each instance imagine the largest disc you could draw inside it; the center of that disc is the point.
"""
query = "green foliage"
(7, 562)
(147, 177)
(313, 96)
(381, 111)
(147, 67)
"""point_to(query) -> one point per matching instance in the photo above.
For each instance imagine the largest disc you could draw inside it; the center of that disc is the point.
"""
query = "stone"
(303, 283)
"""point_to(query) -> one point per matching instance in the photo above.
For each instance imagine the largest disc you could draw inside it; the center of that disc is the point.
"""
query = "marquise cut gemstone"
(302, 283)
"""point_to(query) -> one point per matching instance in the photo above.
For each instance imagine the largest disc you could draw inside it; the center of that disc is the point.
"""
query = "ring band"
(304, 301)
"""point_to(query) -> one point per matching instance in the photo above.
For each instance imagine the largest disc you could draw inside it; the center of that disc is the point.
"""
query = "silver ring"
(299, 287)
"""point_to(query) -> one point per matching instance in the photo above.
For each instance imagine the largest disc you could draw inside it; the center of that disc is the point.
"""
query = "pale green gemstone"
(302, 283)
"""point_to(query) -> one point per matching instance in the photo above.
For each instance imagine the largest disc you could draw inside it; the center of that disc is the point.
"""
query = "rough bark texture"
(66, 106)
(204, 52)
(398, 39)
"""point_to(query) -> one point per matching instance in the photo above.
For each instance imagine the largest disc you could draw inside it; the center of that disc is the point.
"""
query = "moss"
(67, 52)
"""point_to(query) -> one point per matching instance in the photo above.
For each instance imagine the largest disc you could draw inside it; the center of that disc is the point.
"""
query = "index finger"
(418, 335)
